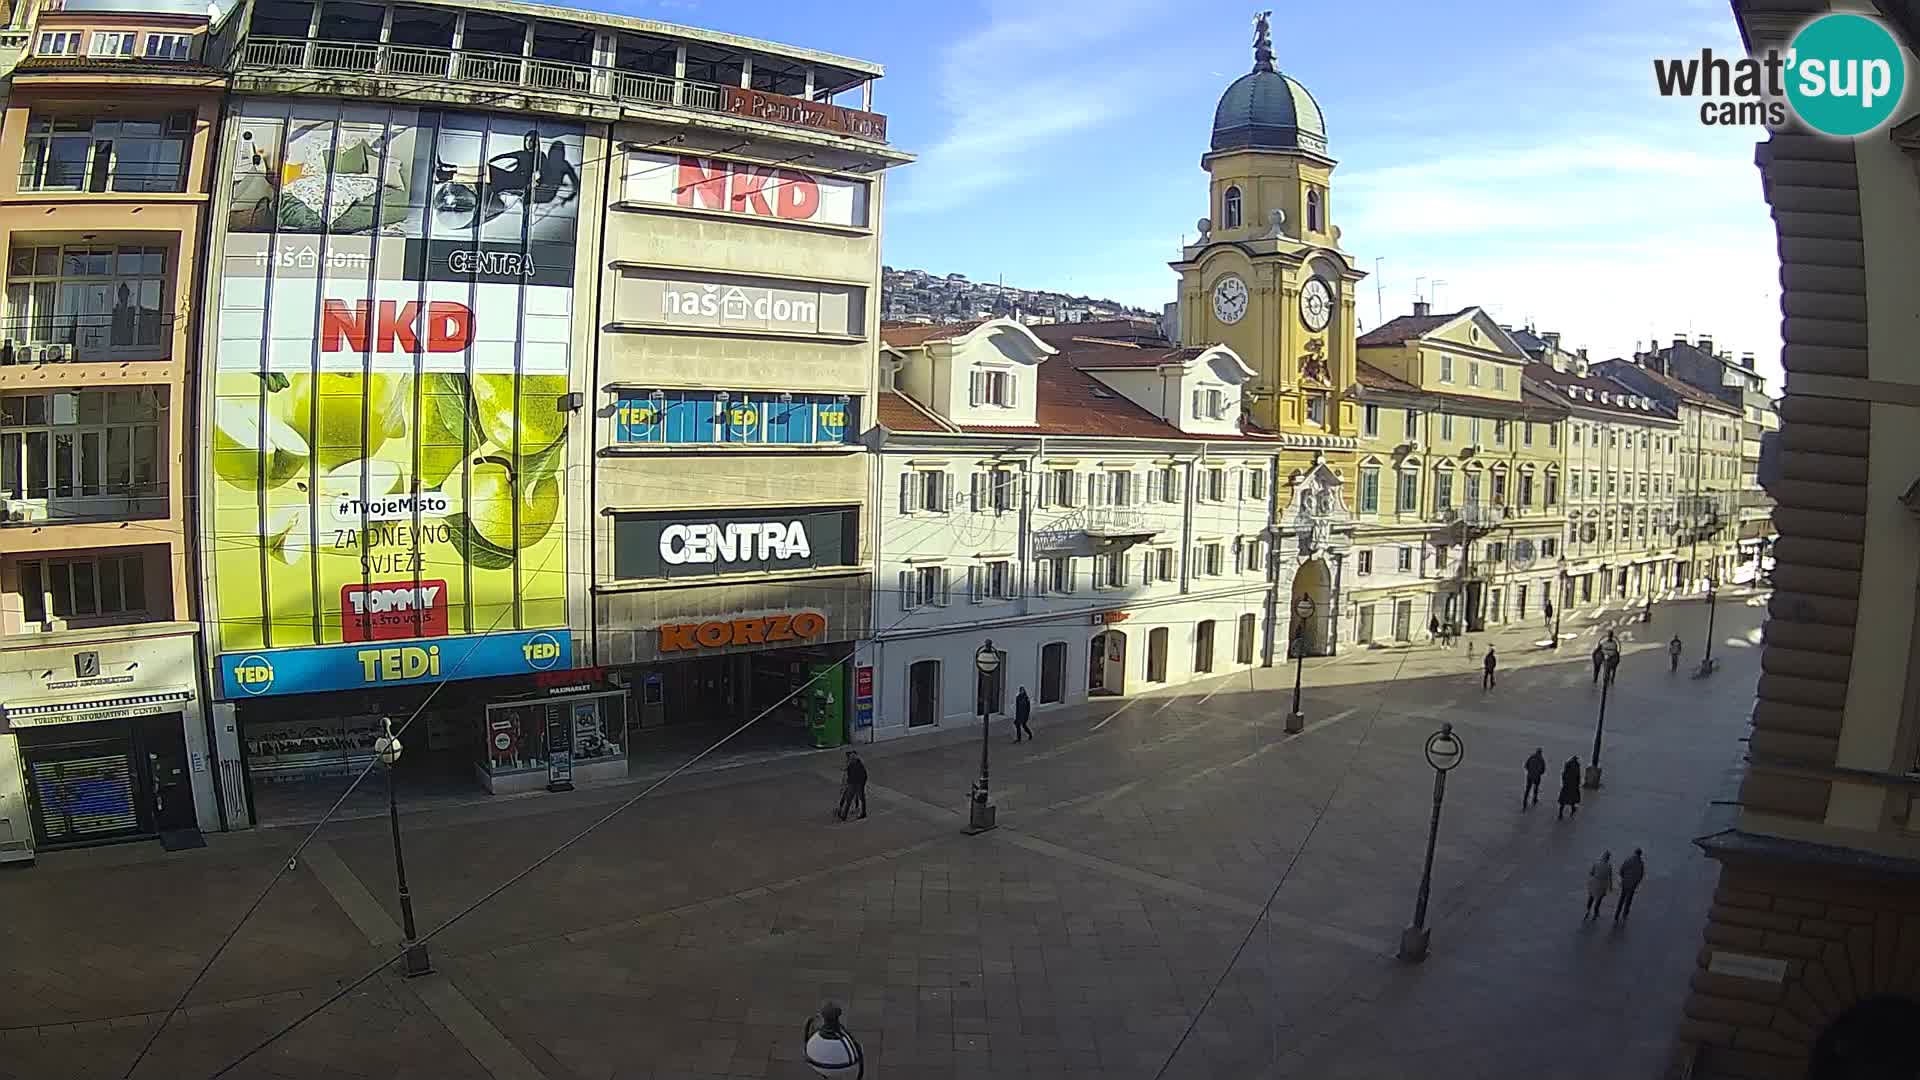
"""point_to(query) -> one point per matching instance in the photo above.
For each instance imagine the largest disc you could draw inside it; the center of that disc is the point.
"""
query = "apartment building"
(108, 137)
(1458, 512)
(1097, 509)
(1622, 461)
(544, 343)
(1806, 963)
(1735, 382)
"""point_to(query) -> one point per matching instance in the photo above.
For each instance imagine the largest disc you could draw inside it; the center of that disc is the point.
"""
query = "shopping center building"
(539, 351)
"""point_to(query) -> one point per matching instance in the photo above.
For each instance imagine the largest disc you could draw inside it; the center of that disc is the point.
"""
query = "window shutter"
(975, 383)
(1175, 485)
(1043, 491)
(909, 597)
(947, 487)
(1240, 483)
(976, 503)
(1126, 568)
(946, 583)
(1079, 489)
(974, 587)
(1013, 389)
(1199, 404)
(1097, 490)
(909, 492)
(1153, 486)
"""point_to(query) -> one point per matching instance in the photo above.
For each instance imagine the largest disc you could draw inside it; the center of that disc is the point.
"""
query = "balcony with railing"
(473, 69)
(132, 335)
(1095, 530)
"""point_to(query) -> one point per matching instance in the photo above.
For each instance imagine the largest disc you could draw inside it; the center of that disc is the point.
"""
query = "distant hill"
(922, 296)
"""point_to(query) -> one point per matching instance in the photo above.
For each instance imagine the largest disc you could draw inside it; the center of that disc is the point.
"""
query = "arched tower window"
(1230, 209)
(1314, 215)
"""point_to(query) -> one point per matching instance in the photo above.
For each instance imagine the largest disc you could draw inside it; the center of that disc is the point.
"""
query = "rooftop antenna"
(1379, 293)
(1433, 290)
(1416, 287)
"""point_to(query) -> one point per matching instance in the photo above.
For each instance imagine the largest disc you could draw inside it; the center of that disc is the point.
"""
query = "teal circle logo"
(254, 674)
(1845, 74)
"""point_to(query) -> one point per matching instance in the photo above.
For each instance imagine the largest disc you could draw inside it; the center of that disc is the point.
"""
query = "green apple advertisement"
(388, 428)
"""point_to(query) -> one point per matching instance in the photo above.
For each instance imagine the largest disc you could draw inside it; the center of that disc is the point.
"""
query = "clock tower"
(1267, 276)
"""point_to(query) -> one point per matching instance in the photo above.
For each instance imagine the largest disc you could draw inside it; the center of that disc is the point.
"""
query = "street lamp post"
(1558, 608)
(1303, 609)
(414, 961)
(1609, 658)
(980, 811)
(831, 1050)
(1444, 752)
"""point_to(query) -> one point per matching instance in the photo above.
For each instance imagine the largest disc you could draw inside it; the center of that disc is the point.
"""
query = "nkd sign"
(738, 187)
(721, 303)
(700, 544)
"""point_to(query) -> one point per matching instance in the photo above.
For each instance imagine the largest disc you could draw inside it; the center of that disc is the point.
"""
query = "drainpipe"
(1273, 561)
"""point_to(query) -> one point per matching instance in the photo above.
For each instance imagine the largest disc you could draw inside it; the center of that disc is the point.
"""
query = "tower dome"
(1266, 110)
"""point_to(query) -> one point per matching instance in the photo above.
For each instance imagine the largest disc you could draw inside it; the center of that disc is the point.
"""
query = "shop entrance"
(923, 693)
(797, 698)
(107, 780)
(1157, 654)
(1053, 672)
(1107, 663)
(1203, 647)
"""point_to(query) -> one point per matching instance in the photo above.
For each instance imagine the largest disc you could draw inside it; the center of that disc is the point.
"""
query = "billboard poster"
(737, 187)
(388, 444)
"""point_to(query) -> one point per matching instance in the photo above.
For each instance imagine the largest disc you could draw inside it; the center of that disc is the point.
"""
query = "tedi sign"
(1843, 75)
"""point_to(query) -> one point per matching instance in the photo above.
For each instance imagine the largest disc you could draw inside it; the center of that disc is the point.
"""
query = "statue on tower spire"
(1262, 42)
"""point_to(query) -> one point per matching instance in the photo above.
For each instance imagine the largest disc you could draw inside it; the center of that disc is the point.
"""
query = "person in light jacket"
(1599, 883)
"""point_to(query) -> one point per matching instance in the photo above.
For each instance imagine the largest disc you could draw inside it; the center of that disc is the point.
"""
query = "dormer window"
(992, 388)
(1230, 209)
(1209, 405)
(168, 46)
(1314, 212)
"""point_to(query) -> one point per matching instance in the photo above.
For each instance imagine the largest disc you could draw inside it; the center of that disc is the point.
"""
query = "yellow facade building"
(1458, 480)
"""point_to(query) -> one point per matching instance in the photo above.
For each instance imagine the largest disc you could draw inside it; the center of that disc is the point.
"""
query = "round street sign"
(987, 660)
(1444, 749)
(502, 741)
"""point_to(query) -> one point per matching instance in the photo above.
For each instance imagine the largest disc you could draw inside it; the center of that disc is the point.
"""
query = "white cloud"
(1033, 74)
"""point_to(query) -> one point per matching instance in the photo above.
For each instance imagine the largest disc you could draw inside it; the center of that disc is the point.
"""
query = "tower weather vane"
(1262, 42)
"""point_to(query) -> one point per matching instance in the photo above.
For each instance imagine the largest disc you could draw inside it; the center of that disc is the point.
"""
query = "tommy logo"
(391, 610)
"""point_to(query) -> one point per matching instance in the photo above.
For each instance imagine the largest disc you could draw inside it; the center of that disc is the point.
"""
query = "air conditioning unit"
(12, 513)
(1469, 451)
(1409, 445)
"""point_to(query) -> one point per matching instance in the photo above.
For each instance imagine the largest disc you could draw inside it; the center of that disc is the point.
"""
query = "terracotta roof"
(1558, 382)
(56, 65)
(1678, 387)
(897, 412)
(908, 335)
(1376, 379)
(1406, 328)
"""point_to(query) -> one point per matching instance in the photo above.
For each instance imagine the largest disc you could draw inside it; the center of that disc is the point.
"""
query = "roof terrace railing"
(582, 80)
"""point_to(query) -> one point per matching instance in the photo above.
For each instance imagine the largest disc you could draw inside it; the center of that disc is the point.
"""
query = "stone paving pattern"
(692, 936)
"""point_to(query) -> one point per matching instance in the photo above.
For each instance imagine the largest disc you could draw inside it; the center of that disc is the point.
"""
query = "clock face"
(1316, 304)
(1230, 299)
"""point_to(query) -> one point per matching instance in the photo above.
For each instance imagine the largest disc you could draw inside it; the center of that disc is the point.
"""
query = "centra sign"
(758, 542)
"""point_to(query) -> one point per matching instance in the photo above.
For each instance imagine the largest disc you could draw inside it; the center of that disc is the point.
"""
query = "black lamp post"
(1609, 662)
(1445, 751)
(1712, 528)
(1559, 607)
(414, 961)
(980, 810)
(1303, 609)
(831, 1050)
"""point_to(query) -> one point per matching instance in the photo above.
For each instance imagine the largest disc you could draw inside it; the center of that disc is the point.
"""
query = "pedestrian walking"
(1487, 666)
(854, 791)
(1613, 666)
(1433, 627)
(1599, 658)
(1536, 770)
(1632, 869)
(1673, 655)
(1022, 712)
(1569, 789)
(1599, 883)
(1547, 608)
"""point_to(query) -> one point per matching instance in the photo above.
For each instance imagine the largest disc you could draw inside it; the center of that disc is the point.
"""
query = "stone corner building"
(1811, 961)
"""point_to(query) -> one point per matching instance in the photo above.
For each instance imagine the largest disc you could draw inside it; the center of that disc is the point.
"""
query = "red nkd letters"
(444, 326)
(746, 189)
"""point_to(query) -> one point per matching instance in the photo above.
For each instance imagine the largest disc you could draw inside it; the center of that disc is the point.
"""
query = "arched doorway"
(1157, 654)
(1315, 581)
(1107, 663)
(1874, 1040)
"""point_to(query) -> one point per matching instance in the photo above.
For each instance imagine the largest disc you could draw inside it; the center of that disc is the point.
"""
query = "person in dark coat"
(1536, 769)
(1433, 627)
(1486, 678)
(854, 792)
(1673, 661)
(1549, 610)
(1569, 788)
(1632, 869)
(1022, 712)
(1599, 658)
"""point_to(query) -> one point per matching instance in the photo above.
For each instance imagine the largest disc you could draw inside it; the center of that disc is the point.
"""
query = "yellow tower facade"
(1267, 276)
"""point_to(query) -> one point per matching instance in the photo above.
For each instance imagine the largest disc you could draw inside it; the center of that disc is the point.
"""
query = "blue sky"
(1517, 151)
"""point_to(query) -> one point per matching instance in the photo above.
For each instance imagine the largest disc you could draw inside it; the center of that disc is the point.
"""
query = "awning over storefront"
(42, 712)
